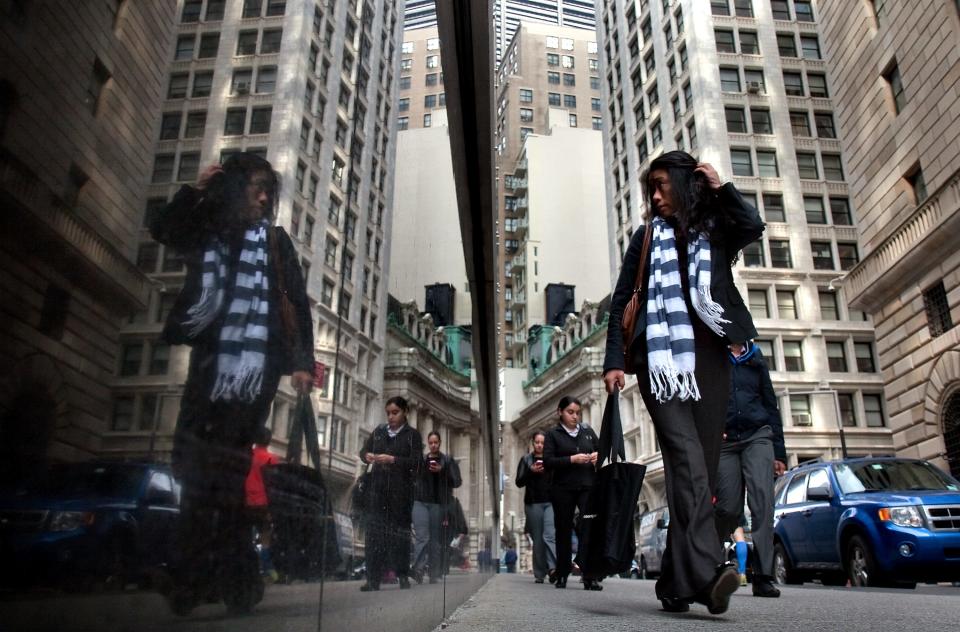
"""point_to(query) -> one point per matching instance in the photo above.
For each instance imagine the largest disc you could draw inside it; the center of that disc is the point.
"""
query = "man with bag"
(244, 312)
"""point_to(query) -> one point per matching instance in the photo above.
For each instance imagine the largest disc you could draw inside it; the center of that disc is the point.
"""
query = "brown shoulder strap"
(644, 257)
(273, 241)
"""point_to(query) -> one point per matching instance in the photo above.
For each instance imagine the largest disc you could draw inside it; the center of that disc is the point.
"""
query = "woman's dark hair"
(538, 433)
(691, 196)
(566, 400)
(399, 402)
(432, 433)
(264, 436)
(227, 191)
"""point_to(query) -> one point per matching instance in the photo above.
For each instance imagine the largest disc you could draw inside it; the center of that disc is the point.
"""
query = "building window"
(822, 255)
(252, 8)
(803, 10)
(215, 10)
(759, 306)
(742, 164)
(787, 304)
(162, 169)
(189, 167)
(873, 411)
(260, 120)
(937, 308)
(159, 358)
(170, 126)
(184, 49)
(209, 44)
(813, 207)
(760, 120)
(597, 123)
(780, 9)
(767, 164)
(553, 77)
(433, 61)
(526, 115)
(569, 101)
(553, 98)
(427, 120)
(736, 121)
(526, 96)
(793, 355)
(430, 101)
(191, 11)
(780, 253)
(773, 207)
(800, 410)
(753, 255)
(807, 165)
(553, 59)
(755, 80)
(196, 123)
(836, 357)
(725, 42)
(202, 83)
(793, 83)
(766, 348)
(786, 44)
(247, 43)
(849, 257)
(271, 41)
(864, 354)
(130, 358)
(266, 79)
(730, 80)
(818, 85)
(847, 414)
(749, 45)
(569, 80)
(719, 7)
(829, 309)
(810, 46)
(840, 211)
(566, 61)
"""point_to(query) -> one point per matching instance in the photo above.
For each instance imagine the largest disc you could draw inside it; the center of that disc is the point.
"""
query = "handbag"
(634, 309)
(286, 310)
(360, 495)
(306, 541)
(607, 544)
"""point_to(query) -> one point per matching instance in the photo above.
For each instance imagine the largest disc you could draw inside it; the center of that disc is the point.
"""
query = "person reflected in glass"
(437, 477)
(570, 456)
(229, 313)
(690, 311)
(532, 475)
(394, 451)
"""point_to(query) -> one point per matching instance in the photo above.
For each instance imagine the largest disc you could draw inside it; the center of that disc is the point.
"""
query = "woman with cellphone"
(570, 455)
(437, 477)
(534, 478)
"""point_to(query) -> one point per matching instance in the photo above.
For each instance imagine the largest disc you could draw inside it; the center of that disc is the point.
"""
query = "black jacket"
(536, 485)
(559, 446)
(437, 487)
(392, 486)
(743, 226)
(753, 403)
(181, 225)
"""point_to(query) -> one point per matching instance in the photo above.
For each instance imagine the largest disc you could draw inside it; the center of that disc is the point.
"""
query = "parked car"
(88, 524)
(872, 521)
(652, 541)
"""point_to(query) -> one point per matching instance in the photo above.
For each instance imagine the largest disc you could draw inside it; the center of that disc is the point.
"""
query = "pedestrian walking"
(258, 503)
(438, 475)
(688, 311)
(394, 451)
(244, 336)
(751, 455)
(570, 454)
(532, 475)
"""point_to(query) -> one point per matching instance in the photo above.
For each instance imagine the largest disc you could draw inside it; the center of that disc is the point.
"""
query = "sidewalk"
(514, 603)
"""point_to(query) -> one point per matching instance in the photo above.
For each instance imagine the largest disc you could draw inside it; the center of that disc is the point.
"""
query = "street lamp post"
(836, 407)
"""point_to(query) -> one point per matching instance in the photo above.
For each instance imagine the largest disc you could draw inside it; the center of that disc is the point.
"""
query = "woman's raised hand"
(205, 176)
(713, 178)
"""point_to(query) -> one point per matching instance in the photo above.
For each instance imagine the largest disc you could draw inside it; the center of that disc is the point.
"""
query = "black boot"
(674, 604)
(716, 595)
(763, 587)
(561, 582)
(591, 584)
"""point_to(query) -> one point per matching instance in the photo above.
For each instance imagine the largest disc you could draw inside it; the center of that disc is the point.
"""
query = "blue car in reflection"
(88, 524)
(869, 521)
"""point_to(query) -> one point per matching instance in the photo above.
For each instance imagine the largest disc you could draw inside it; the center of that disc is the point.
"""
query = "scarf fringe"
(668, 382)
(709, 311)
(204, 312)
(243, 385)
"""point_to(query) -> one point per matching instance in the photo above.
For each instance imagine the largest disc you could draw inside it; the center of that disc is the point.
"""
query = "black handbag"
(306, 542)
(607, 544)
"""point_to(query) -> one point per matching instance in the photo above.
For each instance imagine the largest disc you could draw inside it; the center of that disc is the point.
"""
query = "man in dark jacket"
(751, 454)
(229, 313)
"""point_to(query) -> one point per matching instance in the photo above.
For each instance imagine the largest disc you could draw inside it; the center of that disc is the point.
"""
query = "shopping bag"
(607, 544)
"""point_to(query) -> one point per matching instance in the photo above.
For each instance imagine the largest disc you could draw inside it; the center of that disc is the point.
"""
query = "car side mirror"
(820, 492)
(661, 524)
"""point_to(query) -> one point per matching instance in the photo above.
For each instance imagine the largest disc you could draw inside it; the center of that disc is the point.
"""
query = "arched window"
(951, 431)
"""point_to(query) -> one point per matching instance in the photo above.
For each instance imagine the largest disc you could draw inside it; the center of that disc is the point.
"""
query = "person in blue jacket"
(751, 455)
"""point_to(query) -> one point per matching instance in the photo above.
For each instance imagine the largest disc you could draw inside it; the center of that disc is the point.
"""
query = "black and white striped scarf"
(670, 342)
(243, 338)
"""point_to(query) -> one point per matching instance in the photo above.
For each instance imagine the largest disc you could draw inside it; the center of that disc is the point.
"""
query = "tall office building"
(899, 117)
(311, 87)
(508, 14)
(78, 113)
(743, 85)
(551, 177)
(419, 14)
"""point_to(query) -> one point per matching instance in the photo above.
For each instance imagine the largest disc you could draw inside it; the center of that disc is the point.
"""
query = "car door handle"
(807, 512)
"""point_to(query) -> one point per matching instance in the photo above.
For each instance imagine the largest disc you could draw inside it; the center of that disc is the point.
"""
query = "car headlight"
(70, 520)
(901, 516)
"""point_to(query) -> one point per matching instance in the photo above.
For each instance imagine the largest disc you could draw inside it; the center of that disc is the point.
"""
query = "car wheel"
(783, 571)
(861, 567)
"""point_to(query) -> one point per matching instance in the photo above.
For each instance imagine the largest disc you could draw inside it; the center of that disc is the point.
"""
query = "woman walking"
(570, 454)
(690, 311)
(438, 476)
(533, 477)
(393, 450)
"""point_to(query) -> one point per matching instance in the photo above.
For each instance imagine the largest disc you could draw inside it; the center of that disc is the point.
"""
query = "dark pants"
(748, 464)
(565, 503)
(432, 538)
(388, 544)
(690, 433)
(212, 453)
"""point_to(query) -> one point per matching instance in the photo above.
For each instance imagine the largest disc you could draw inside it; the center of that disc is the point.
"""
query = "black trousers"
(387, 539)
(690, 433)
(212, 453)
(565, 503)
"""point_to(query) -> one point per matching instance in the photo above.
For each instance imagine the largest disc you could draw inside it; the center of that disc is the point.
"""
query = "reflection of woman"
(690, 312)
(532, 475)
(438, 476)
(570, 454)
(229, 313)
(393, 449)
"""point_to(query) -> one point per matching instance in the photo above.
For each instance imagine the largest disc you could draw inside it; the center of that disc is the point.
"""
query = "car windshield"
(882, 476)
(87, 480)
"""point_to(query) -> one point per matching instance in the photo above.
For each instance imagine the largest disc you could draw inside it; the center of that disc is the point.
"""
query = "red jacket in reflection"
(256, 492)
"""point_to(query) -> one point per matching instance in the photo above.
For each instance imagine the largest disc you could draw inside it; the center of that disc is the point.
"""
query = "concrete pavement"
(514, 602)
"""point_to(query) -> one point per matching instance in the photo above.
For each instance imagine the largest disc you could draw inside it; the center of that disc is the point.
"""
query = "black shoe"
(763, 587)
(417, 575)
(552, 576)
(368, 587)
(591, 584)
(673, 604)
(561, 582)
(404, 583)
(538, 580)
(716, 595)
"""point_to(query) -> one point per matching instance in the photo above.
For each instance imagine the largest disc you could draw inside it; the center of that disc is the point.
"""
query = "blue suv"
(872, 521)
(88, 524)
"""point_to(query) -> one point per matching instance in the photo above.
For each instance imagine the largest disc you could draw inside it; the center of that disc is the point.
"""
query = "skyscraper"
(507, 15)
(899, 117)
(743, 85)
(78, 114)
(311, 87)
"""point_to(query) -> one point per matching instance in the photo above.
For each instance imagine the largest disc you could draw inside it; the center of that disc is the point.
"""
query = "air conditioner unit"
(753, 87)
(801, 419)
(243, 87)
